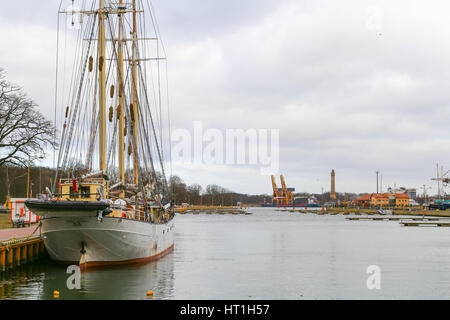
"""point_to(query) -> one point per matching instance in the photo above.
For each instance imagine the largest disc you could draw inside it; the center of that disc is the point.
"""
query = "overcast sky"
(352, 85)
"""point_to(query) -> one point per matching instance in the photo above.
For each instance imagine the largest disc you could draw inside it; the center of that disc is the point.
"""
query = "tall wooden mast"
(120, 108)
(135, 117)
(102, 84)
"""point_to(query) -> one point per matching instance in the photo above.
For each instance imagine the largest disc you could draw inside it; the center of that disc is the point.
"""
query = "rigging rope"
(83, 118)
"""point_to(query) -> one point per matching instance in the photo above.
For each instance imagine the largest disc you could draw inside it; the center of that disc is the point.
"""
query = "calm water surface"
(266, 255)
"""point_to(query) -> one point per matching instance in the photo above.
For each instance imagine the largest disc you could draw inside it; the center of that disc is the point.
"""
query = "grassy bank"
(5, 221)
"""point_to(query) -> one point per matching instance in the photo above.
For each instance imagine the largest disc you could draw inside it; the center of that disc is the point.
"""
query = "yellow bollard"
(56, 294)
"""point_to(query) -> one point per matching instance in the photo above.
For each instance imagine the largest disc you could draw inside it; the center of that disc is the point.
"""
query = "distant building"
(412, 193)
(363, 200)
(379, 199)
(402, 200)
(397, 190)
(389, 200)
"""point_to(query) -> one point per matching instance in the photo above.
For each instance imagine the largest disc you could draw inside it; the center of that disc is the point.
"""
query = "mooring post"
(23, 249)
(3, 259)
(10, 258)
(30, 251)
(17, 255)
(36, 250)
(41, 248)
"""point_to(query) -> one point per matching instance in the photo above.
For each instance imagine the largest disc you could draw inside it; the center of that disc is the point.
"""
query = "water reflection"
(40, 280)
(25, 282)
(267, 255)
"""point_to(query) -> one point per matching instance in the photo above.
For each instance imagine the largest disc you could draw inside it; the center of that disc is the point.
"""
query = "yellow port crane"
(283, 190)
(283, 196)
(287, 195)
(276, 193)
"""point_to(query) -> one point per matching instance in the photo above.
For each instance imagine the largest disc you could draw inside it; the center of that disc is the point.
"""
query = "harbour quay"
(19, 247)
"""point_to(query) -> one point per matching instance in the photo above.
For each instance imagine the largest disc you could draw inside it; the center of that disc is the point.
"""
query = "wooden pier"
(425, 224)
(408, 222)
(14, 253)
(211, 210)
(390, 219)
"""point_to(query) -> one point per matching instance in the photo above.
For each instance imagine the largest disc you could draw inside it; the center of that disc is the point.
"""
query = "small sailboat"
(119, 211)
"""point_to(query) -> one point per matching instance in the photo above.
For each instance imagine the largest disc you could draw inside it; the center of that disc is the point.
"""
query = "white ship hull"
(106, 242)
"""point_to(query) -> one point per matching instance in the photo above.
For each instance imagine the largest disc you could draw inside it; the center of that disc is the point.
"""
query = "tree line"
(16, 181)
(212, 194)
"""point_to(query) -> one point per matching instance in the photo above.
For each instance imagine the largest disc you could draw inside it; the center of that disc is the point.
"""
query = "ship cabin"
(85, 191)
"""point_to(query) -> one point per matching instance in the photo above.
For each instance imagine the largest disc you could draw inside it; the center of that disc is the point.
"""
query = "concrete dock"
(7, 234)
(19, 247)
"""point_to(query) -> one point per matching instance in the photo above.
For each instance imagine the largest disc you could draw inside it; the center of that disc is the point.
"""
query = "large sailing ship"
(120, 211)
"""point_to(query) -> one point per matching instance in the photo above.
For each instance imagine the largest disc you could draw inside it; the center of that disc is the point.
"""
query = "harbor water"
(267, 255)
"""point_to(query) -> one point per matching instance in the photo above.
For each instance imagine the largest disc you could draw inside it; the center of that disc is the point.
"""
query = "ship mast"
(128, 110)
(102, 84)
(134, 108)
(120, 108)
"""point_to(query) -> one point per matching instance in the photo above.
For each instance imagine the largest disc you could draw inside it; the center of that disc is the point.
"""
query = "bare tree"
(24, 131)
(178, 188)
(194, 192)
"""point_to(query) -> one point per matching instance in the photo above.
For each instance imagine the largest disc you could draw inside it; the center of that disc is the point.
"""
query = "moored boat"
(121, 211)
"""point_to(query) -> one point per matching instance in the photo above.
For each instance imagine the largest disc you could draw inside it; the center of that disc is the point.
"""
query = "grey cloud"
(343, 95)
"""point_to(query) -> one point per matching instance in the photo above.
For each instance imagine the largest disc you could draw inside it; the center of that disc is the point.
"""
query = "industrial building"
(281, 197)
(284, 196)
(411, 192)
